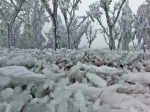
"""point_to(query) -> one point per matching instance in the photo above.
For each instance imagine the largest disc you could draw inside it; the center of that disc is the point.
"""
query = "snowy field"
(36, 80)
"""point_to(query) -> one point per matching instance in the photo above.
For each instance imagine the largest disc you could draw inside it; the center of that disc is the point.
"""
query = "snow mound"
(140, 78)
(99, 82)
(102, 69)
(21, 75)
(6, 93)
(4, 81)
(20, 60)
(133, 89)
(74, 80)
(36, 108)
(3, 60)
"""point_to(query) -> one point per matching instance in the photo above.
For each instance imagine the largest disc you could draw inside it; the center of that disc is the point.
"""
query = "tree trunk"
(11, 38)
(13, 20)
(53, 16)
(111, 40)
(90, 45)
(8, 35)
(119, 42)
(68, 31)
(68, 39)
(55, 36)
(114, 47)
(29, 28)
(111, 44)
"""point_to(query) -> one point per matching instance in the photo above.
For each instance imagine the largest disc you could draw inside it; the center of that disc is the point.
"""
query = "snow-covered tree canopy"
(126, 30)
(77, 31)
(9, 11)
(143, 24)
(68, 9)
(112, 14)
(23, 21)
(34, 19)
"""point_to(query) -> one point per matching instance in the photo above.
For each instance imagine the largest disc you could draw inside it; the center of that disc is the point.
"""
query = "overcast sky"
(99, 41)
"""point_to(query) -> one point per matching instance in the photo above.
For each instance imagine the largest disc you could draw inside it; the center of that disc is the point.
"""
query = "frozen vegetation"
(85, 80)
(46, 71)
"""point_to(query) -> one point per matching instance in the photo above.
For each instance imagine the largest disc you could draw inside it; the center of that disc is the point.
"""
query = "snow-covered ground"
(86, 80)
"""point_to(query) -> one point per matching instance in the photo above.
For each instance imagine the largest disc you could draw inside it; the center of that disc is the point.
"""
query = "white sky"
(99, 41)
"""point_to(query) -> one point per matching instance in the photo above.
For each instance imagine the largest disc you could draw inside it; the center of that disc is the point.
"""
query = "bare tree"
(112, 15)
(91, 35)
(53, 16)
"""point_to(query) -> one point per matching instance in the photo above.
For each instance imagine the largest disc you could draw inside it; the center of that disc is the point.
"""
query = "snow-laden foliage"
(8, 14)
(101, 7)
(86, 80)
(127, 28)
(22, 24)
(74, 28)
(142, 24)
(34, 20)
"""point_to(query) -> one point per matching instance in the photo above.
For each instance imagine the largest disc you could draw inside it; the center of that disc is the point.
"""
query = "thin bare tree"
(53, 16)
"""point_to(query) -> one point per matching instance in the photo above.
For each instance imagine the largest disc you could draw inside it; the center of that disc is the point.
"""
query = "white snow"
(7, 93)
(71, 81)
(80, 101)
(140, 78)
(4, 81)
(99, 82)
(102, 69)
(3, 60)
(47, 72)
(20, 74)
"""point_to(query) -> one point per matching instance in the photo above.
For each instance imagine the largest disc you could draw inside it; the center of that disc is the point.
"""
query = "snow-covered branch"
(91, 34)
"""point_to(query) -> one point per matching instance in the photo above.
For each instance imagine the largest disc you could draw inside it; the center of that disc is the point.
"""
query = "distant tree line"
(23, 21)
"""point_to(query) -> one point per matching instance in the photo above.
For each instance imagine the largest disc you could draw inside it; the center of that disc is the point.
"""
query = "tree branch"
(107, 15)
(12, 2)
(102, 27)
(105, 39)
(118, 12)
(49, 10)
